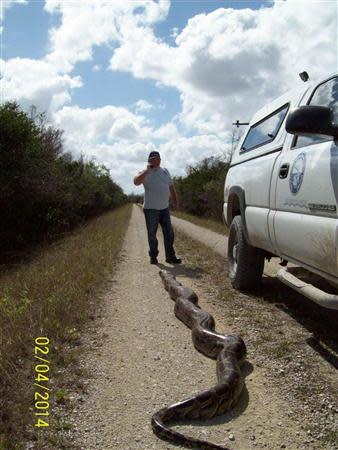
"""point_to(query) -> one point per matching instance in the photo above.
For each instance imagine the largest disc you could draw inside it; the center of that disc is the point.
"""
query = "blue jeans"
(153, 218)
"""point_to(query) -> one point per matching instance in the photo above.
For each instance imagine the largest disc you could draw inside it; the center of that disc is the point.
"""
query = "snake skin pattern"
(229, 352)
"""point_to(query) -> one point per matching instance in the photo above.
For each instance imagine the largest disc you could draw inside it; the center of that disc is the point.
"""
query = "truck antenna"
(238, 123)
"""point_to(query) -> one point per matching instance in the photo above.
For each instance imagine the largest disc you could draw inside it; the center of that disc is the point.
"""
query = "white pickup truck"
(281, 192)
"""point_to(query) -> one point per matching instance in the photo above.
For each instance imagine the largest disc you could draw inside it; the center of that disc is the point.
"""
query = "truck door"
(305, 222)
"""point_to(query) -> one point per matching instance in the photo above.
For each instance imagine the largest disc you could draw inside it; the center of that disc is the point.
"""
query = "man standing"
(158, 186)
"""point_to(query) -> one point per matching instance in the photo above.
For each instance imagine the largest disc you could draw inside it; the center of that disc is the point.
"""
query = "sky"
(125, 77)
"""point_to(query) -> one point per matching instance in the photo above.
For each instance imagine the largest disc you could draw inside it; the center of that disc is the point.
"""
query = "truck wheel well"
(234, 207)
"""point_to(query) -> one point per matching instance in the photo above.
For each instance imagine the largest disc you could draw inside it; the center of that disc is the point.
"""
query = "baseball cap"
(153, 155)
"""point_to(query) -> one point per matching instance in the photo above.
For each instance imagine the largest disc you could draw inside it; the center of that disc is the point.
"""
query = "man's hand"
(141, 176)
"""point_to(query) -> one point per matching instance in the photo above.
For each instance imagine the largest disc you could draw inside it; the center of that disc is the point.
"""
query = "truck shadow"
(322, 323)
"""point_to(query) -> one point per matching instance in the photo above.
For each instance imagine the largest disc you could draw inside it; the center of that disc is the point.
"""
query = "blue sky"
(122, 78)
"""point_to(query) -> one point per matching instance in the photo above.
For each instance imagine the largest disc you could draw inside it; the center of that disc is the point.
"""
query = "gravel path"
(214, 240)
(139, 357)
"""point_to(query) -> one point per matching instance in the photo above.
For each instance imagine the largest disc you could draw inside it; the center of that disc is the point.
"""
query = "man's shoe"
(153, 260)
(174, 260)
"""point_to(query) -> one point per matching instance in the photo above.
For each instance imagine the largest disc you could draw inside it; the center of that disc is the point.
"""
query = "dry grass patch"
(53, 295)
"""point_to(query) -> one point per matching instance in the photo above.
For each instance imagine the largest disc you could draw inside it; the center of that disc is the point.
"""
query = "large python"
(228, 350)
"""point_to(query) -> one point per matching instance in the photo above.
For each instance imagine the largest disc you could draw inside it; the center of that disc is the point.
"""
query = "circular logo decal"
(297, 173)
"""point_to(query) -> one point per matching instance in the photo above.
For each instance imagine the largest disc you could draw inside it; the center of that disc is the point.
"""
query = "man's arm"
(173, 196)
(138, 179)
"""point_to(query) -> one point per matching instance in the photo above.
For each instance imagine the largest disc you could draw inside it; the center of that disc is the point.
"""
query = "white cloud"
(96, 68)
(146, 56)
(97, 22)
(124, 129)
(109, 124)
(174, 32)
(105, 124)
(166, 132)
(230, 62)
(30, 81)
(143, 106)
(178, 153)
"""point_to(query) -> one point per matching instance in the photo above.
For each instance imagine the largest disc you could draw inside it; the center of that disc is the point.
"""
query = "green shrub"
(43, 189)
(201, 190)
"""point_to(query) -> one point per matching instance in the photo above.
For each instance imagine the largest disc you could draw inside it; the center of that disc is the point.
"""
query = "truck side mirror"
(307, 120)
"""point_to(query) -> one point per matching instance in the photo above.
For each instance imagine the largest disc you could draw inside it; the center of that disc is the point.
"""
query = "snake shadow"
(228, 416)
(181, 270)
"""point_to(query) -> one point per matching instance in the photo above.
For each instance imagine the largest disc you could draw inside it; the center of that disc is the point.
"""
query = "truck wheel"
(245, 263)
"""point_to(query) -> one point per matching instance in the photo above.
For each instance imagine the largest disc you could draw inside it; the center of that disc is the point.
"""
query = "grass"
(211, 224)
(52, 294)
(331, 438)
(61, 395)
(282, 349)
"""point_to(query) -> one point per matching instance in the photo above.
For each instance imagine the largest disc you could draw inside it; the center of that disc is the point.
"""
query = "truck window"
(326, 94)
(264, 131)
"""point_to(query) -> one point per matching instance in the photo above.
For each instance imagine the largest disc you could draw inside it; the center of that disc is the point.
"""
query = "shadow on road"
(322, 323)
(234, 412)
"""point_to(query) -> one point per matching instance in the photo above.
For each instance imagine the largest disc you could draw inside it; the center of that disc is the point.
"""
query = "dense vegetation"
(201, 191)
(44, 190)
(135, 198)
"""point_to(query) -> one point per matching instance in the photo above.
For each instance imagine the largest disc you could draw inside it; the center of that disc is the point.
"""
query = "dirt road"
(139, 357)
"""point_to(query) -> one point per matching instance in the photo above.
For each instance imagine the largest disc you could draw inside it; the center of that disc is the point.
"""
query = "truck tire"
(245, 263)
